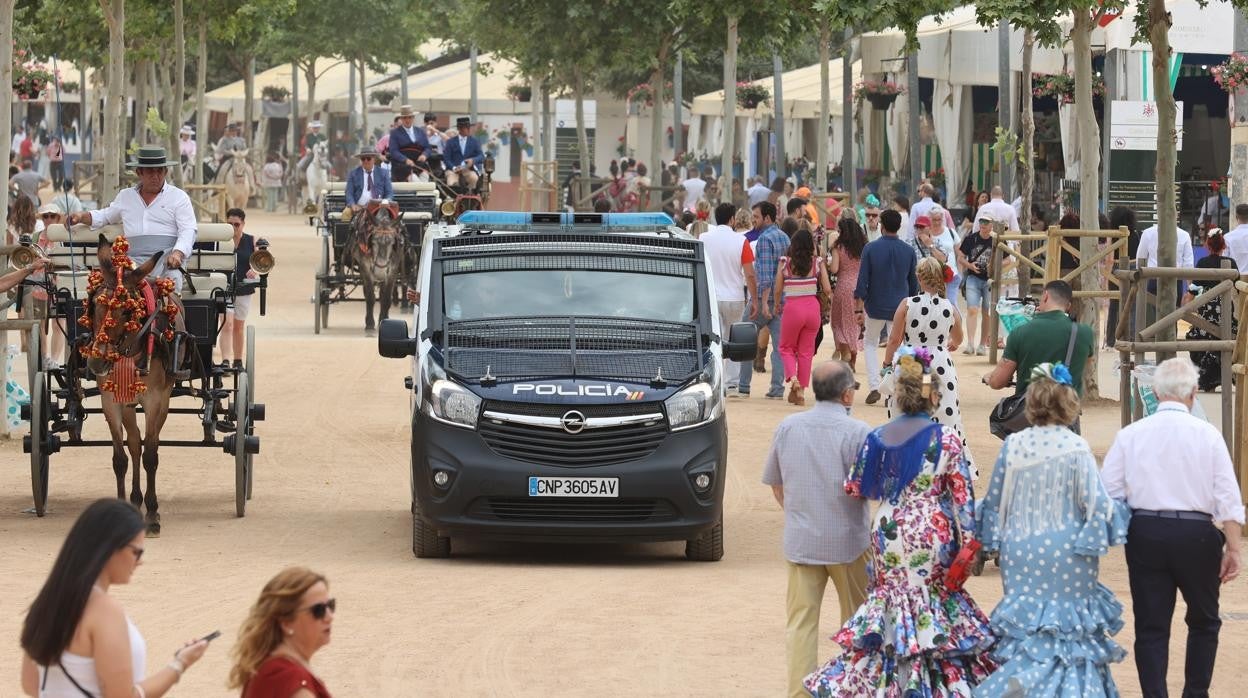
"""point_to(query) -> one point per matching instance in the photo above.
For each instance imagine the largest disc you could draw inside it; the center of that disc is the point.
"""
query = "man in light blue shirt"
(758, 192)
(826, 531)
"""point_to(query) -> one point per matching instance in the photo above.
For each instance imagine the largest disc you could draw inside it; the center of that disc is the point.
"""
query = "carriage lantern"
(489, 164)
(262, 261)
(26, 253)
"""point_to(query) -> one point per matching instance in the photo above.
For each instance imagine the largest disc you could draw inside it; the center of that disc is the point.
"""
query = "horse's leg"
(134, 444)
(112, 415)
(369, 298)
(387, 293)
(155, 409)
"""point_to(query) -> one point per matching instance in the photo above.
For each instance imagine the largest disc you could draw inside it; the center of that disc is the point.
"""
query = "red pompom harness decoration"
(135, 306)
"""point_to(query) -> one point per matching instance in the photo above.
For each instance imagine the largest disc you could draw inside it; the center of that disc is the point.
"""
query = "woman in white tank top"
(77, 640)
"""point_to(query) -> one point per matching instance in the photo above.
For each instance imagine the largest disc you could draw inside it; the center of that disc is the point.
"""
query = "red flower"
(940, 523)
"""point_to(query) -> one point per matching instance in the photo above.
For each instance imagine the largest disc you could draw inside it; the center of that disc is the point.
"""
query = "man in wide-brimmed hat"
(463, 156)
(157, 216)
(367, 182)
(408, 146)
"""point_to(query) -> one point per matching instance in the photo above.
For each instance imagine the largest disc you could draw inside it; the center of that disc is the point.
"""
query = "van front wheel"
(708, 547)
(426, 542)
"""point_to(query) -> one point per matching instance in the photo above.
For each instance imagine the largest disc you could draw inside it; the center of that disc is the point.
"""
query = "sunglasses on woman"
(318, 609)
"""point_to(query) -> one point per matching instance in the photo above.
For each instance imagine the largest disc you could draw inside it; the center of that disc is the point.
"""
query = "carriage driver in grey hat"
(155, 215)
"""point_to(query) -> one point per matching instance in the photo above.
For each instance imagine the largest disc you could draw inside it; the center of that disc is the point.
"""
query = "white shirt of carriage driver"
(170, 213)
(411, 133)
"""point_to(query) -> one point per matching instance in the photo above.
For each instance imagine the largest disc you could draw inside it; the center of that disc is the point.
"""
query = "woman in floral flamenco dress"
(913, 637)
(1052, 520)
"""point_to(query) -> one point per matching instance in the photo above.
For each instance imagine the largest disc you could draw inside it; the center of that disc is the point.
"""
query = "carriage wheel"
(250, 367)
(317, 298)
(242, 461)
(38, 436)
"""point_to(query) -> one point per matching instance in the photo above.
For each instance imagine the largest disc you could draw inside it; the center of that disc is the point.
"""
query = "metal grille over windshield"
(518, 348)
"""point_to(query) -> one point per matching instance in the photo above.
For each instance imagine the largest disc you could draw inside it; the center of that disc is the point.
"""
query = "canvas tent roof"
(448, 88)
(331, 85)
(801, 93)
(953, 47)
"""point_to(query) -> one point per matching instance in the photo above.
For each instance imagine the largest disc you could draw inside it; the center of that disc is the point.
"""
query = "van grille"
(538, 510)
(547, 446)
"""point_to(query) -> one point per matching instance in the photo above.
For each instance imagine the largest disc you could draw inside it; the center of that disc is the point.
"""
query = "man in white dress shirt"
(1237, 239)
(1147, 251)
(155, 215)
(694, 187)
(997, 210)
(924, 205)
(1174, 471)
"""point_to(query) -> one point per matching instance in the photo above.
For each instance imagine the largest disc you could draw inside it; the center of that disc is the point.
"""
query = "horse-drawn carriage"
(98, 293)
(376, 249)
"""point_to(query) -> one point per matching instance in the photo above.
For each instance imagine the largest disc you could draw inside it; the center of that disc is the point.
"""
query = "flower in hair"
(1056, 372)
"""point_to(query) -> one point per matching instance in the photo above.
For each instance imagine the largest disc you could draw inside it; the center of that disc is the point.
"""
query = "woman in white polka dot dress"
(1051, 519)
(930, 320)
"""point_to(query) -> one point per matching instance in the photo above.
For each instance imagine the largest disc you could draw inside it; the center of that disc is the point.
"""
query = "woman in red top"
(287, 625)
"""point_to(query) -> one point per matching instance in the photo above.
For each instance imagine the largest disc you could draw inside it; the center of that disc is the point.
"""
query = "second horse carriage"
(377, 249)
(138, 346)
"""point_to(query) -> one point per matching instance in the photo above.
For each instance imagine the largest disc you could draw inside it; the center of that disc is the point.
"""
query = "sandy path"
(331, 492)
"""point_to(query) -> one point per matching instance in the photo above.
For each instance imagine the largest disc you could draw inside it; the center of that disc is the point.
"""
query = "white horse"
(316, 174)
(239, 178)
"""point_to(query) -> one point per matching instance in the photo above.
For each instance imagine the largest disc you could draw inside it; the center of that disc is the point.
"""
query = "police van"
(566, 382)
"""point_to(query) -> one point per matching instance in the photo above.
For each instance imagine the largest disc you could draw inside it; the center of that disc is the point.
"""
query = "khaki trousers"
(805, 598)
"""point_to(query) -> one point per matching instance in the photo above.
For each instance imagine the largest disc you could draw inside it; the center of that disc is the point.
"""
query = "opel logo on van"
(572, 421)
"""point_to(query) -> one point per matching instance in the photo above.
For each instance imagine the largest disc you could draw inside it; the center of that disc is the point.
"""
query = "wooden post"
(1053, 255)
(1124, 357)
(1227, 357)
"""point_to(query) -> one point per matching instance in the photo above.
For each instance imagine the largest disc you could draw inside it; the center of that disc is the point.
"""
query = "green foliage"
(875, 15)
(157, 125)
(1009, 147)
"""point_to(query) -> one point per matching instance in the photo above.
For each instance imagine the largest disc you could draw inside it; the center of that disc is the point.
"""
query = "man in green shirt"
(1044, 339)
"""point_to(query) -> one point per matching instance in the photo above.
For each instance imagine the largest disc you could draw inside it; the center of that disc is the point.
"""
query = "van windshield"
(583, 293)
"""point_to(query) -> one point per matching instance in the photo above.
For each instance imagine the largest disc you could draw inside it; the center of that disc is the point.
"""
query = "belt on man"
(1168, 514)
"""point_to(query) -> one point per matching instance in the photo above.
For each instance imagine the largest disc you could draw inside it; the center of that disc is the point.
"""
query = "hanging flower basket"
(519, 93)
(880, 93)
(274, 93)
(644, 93)
(383, 96)
(1061, 87)
(749, 95)
(30, 79)
(1233, 74)
(69, 86)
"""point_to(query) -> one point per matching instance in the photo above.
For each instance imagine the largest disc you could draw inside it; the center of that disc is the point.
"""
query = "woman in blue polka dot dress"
(1051, 518)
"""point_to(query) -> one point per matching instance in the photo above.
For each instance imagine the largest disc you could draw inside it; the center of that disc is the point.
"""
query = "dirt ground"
(331, 492)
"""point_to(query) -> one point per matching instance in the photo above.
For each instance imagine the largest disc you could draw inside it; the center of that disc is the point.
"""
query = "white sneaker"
(969, 350)
(982, 350)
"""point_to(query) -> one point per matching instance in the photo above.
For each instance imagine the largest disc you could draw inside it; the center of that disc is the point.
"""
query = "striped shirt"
(795, 286)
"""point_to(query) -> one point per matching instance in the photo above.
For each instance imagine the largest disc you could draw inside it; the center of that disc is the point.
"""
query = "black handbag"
(1010, 414)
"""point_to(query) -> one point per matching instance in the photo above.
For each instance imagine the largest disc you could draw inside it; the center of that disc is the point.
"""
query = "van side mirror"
(393, 341)
(742, 342)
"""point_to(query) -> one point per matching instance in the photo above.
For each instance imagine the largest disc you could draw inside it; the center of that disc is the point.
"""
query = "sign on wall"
(1133, 125)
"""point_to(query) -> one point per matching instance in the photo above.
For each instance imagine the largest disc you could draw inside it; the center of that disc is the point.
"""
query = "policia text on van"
(566, 382)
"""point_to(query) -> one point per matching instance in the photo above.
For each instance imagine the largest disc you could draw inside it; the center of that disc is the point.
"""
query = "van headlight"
(694, 406)
(446, 400)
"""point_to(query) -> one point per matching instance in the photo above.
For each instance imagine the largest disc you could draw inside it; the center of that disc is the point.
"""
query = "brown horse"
(378, 253)
(132, 325)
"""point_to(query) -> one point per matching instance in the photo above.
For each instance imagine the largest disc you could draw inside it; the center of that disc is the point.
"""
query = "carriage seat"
(334, 188)
(418, 187)
(215, 266)
(410, 216)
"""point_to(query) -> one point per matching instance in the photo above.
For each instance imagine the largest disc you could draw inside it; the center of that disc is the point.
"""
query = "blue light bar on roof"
(602, 222)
